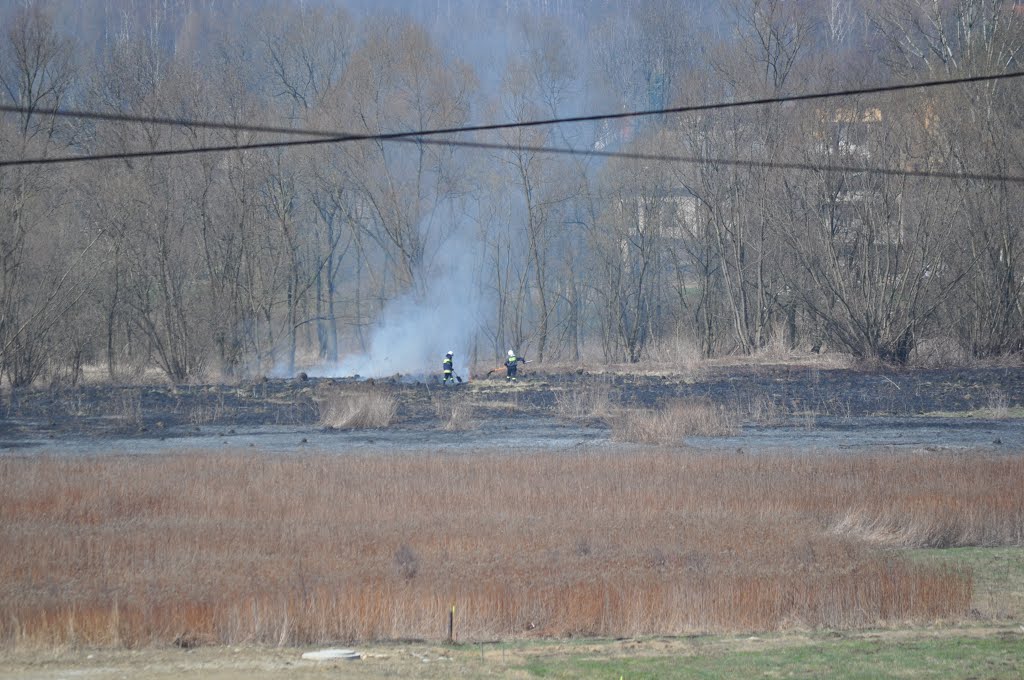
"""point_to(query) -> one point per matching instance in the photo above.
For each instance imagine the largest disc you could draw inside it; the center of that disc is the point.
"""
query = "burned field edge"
(208, 547)
(762, 394)
(229, 548)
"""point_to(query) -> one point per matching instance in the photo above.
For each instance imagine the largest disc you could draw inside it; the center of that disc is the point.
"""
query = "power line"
(330, 137)
(668, 158)
(127, 155)
(703, 160)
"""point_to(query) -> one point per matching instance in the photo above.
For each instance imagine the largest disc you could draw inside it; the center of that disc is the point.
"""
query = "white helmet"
(450, 353)
(511, 353)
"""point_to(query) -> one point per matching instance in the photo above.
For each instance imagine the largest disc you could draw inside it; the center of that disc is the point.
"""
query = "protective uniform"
(511, 365)
(448, 366)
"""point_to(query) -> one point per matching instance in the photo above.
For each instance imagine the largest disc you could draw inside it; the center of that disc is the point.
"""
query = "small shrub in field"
(998, 403)
(406, 562)
(454, 414)
(766, 411)
(583, 404)
(129, 406)
(362, 409)
(668, 425)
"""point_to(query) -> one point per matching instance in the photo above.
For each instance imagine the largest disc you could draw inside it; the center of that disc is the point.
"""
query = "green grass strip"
(997, 656)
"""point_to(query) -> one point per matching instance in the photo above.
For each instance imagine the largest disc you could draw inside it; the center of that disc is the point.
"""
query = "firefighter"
(511, 365)
(448, 366)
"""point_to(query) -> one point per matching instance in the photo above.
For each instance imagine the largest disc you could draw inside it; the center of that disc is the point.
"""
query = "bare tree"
(630, 241)
(36, 72)
(37, 68)
(872, 250)
(538, 85)
(399, 81)
(973, 128)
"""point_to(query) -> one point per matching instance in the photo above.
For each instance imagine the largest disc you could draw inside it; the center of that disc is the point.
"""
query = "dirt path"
(427, 660)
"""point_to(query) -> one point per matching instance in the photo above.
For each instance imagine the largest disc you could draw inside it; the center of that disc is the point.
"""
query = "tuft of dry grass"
(586, 403)
(941, 352)
(223, 547)
(998, 403)
(128, 405)
(454, 412)
(669, 425)
(767, 411)
(358, 408)
(209, 406)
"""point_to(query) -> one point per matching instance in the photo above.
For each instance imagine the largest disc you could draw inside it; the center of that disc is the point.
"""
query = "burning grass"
(229, 548)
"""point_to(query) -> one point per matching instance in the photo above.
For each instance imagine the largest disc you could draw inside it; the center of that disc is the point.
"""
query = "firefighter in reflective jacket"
(448, 366)
(511, 364)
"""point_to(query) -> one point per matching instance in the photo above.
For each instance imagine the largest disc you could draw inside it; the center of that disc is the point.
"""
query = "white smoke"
(415, 330)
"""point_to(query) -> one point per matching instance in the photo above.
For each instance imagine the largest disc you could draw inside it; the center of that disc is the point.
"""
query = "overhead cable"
(667, 158)
(330, 137)
(705, 160)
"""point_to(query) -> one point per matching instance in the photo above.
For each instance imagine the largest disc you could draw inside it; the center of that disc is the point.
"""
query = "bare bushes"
(668, 425)
(363, 407)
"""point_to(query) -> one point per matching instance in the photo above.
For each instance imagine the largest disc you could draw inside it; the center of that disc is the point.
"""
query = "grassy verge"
(990, 652)
(998, 578)
(862, 656)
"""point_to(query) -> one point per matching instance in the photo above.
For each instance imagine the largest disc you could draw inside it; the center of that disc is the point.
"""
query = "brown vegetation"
(366, 407)
(230, 547)
(668, 425)
(584, 403)
(455, 413)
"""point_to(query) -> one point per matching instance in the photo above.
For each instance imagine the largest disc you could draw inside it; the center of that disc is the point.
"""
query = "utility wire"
(668, 158)
(329, 137)
(335, 135)
(704, 160)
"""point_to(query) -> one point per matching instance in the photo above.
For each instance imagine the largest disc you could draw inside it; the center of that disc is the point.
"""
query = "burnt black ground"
(100, 412)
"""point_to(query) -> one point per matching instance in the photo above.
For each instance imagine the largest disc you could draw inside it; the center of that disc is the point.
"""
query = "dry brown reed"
(584, 403)
(673, 422)
(939, 353)
(235, 547)
(454, 412)
(356, 408)
(766, 410)
(998, 403)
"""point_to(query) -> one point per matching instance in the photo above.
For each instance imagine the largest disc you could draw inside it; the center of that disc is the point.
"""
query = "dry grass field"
(206, 548)
(363, 407)
(673, 422)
